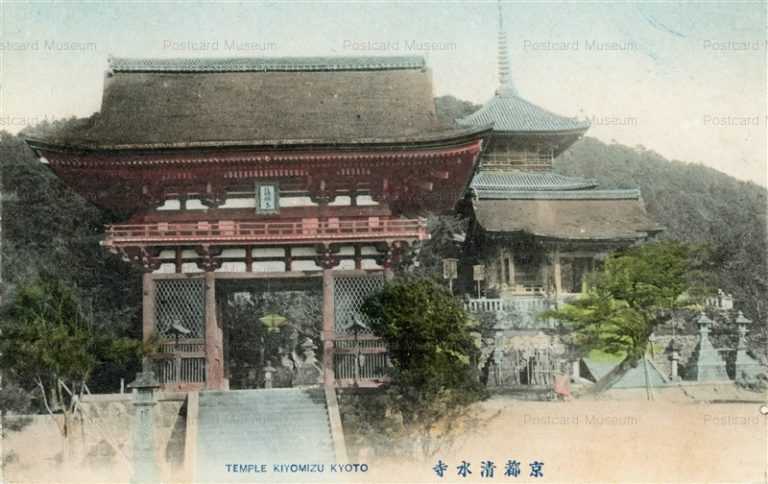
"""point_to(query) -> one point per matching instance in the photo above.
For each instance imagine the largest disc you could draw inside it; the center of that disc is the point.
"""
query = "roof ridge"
(264, 64)
(493, 193)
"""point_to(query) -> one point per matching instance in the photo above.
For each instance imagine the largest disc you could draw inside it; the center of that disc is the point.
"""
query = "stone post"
(576, 371)
(145, 468)
(675, 358)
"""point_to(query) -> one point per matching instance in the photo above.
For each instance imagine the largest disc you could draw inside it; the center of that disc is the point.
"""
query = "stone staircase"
(275, 426)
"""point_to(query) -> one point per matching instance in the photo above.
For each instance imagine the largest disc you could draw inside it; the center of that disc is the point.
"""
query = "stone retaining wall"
(99, 447)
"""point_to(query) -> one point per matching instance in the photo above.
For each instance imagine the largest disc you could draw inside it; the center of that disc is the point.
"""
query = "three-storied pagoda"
(537, 233)
(256, 168)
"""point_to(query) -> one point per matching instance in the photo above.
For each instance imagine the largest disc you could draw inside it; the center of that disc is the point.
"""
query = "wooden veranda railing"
(519, 160)
(361, 361)
(229, 231)
(181, 363)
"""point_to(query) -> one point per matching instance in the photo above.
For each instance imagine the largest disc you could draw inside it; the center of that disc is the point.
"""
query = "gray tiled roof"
(510, 113)
(488, 181)
(559, 195)
(173, 103)
(566, 219)
(266, 64)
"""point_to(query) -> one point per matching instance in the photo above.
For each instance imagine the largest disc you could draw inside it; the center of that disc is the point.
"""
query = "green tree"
(49, 343)
(696, 205)
(49, 229)
(635, 291)
(433, 352)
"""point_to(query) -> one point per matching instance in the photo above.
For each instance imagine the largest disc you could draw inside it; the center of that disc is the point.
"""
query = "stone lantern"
(746, 366)
(144, 464)
(742, 322)
(269, 371)
(709, 365)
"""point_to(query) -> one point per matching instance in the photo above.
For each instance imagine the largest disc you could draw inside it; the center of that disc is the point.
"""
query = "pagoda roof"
(510, 113)
(270, 102)
(590, 215)
(499, 184)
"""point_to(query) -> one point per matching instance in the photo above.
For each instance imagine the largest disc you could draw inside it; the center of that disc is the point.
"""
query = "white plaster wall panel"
(304, 265)
(232, 267)
(195, 204)
(345, 265)
(239, 203)
(346, 250)
(165, 269)
(303, 251)
(296, 202)
(190, 268)
(269, 266)
(365, 200)
(370, 264)
(267, 252)
(233, 253)
(170, 204)
(341, 201)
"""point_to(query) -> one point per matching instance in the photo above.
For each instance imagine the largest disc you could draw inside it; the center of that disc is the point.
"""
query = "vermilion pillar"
(148, 306)
(328, 331)
(214, 345)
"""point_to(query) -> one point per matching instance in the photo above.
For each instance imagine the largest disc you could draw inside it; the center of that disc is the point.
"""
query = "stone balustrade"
(521, 311)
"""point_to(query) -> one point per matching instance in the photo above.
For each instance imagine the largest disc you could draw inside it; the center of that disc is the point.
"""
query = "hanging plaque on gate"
(267, 198)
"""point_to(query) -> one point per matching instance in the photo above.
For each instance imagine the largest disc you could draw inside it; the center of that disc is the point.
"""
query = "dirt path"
(604, 441)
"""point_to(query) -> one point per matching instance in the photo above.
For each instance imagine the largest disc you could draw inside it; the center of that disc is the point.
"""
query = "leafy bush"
(433, 351)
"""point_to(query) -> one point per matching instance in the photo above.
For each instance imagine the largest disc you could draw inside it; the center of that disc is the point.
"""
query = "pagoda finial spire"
(506, 86)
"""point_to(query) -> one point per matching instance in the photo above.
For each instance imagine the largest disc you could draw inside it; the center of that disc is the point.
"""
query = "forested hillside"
(48, 230)
(695, 203)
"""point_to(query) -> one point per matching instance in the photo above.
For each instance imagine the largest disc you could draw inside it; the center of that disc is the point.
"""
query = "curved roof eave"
(421, 141)
(511, 114)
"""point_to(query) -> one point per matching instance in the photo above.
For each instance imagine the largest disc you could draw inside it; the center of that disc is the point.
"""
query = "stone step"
(229, 414)
(262, 403)
(275, 426)
(248, 424)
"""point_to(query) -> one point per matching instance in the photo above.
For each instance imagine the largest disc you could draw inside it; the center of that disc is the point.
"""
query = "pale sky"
(687, 80)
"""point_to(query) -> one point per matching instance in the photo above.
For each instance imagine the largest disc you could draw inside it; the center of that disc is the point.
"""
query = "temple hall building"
(535, 233)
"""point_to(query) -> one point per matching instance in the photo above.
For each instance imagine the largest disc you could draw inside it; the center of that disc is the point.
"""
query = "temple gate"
(271, 168)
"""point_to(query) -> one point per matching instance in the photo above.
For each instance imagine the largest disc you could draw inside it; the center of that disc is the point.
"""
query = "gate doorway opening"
(271, 331)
